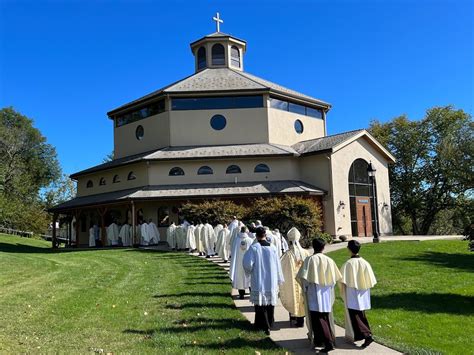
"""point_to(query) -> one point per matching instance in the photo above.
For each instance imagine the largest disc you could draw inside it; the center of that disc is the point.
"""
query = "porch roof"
(192, 191)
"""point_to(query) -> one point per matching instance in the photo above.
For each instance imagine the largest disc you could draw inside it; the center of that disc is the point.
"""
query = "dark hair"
(260, 232)
(353, 246)
(318, 244)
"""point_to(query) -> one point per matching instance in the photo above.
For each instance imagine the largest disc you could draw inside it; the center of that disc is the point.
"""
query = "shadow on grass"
(31, 249)
(426, 302)
(193, 294)
(237, 343)
(459, 261)
(200, 305)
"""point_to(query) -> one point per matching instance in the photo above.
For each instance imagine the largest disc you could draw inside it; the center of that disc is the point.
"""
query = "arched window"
(102, 181)
(201, 58)
(218, 54)
(131, 176)
(261, 168)
(233, 169)
(89, 184)
(116, 179)
(235, 56)
(361, 199)
(176, 171)
(205, 170)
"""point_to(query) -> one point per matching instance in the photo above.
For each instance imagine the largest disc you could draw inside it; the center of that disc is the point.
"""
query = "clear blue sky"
(66, 63)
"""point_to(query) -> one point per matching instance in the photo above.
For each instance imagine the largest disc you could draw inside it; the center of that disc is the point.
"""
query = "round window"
(299, 126)
(218, 122)
(139, 133)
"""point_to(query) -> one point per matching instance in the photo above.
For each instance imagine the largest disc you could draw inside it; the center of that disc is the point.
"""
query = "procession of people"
(271, 269)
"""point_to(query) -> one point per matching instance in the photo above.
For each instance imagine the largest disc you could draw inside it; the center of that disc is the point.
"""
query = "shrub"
(213, 211)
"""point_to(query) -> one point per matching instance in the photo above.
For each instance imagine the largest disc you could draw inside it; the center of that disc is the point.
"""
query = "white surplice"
(154, 233)
(171, 236)
(207, 236)
(222, 246)
(262, 265)
(190, 238)
(125, 235)
(91, 237)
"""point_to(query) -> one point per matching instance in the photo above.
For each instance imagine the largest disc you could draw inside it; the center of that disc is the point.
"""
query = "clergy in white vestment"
(181, 237)
(276, 241)
(112, 234)
(233, 224)
(262, 264)
(145, 234)
(91, 236)
(217, 229)
(190, 239)
(357, 280)
(240, 279)
(233, 235)
(207, 236)
(73, 230)
(318, 276)
(197, 235)
(223, 243)
(171, 236)
(125, 235)
(291, 292)
(154, 232)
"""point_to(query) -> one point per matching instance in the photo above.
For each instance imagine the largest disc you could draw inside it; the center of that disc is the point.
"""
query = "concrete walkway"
(296, 339)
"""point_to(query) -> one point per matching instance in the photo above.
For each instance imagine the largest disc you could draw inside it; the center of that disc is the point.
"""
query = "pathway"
(295, 339)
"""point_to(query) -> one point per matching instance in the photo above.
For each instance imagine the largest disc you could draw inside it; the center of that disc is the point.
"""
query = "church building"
(222, 133)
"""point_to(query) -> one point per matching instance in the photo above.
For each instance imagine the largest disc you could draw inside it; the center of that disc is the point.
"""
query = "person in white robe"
(73, 230)
(154, 232)
(181, 237)
(190, 239)
(233, 235)
(112, 234)
(223, 244)
(91, 236)
(125, 235)
(145, 234)
(291, 292)
(357, 280)
(197, 235)
(233, 224)
(207, 236)
(276, 241)
(171, 236)
(240, 279)
(318, 276)
(262, 264)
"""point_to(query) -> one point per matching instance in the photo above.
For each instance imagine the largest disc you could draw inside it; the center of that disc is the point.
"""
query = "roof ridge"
(331, 135)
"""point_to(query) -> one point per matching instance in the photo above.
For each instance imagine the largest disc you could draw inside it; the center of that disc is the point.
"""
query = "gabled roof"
(197, 152)
(222, 80)
(337, 141)
(241, 189)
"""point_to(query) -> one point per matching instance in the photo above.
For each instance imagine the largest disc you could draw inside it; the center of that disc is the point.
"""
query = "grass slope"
(117, 301)
(424, 299)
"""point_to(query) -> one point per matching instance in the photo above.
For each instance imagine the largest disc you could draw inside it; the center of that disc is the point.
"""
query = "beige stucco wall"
(156, 136)
(280, 169)
(341, 162)
(315, 170)
(192, 127)
(281, 127)
(139, 169)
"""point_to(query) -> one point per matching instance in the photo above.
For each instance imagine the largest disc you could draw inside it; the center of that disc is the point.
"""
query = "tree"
(61, 190)
(213, 211)
(28, 165)
(433, 172)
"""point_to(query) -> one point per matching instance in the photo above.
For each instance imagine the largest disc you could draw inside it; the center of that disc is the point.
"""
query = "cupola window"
(201, 58)
(235, 56)
(218, 54)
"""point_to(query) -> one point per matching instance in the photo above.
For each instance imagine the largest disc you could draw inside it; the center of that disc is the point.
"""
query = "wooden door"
(364, 217)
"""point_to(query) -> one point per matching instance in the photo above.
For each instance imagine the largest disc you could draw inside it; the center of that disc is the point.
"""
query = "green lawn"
(424, 299)
(121, 301)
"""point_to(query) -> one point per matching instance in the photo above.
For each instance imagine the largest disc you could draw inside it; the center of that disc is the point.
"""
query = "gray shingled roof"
(323, 143)
(196, 152)
(240, 189)
(222, 80)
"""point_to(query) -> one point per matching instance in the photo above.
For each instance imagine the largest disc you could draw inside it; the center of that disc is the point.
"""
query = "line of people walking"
(271, 268)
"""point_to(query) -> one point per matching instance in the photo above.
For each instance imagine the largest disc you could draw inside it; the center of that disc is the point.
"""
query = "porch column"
(103, 237)
(134, 231)
(53, 237)
(77, 215)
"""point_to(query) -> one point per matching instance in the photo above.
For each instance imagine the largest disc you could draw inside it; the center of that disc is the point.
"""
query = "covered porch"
(161, 204)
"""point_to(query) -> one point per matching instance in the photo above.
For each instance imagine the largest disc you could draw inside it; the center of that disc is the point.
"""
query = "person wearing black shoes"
(357, 280)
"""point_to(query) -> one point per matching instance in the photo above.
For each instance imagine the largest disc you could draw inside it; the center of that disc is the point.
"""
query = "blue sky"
(66, 63)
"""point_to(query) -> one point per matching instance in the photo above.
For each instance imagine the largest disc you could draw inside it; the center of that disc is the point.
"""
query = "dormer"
(218, 50)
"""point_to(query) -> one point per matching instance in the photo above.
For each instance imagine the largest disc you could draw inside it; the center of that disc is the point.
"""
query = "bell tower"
(218, 50)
